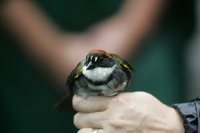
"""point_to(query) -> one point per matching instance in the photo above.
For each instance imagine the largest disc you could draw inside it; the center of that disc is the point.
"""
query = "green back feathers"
(122, 62)
(75, 73)
(125, 65)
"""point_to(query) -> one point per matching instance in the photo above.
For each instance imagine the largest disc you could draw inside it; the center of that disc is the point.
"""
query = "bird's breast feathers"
(99, 73)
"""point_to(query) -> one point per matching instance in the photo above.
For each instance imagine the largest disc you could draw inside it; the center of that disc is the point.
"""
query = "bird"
(99, 74)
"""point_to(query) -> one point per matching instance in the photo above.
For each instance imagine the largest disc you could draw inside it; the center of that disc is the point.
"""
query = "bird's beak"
(90, 66)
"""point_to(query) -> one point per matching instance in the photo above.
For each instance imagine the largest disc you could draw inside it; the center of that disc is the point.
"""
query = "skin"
(57, 52)
(53, 49)
(137, 112)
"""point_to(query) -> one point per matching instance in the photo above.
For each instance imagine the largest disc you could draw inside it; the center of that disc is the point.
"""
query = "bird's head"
(98, 58)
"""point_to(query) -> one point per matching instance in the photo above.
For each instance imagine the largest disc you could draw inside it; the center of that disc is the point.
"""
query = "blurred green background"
(27, 99)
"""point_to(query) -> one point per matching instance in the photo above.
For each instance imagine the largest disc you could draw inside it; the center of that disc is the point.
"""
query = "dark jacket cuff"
(190, 113)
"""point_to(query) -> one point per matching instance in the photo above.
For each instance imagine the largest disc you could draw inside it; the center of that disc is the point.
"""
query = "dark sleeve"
(190, 113)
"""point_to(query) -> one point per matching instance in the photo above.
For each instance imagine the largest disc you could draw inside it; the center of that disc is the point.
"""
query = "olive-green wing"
(124, 64)
(75, 73)
(65, 103)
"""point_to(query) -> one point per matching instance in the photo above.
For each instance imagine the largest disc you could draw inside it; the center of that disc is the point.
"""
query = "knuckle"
(77, 120)
(75, 102)
(142, 95)
(81, 131)
(115, 123)
(85, 130)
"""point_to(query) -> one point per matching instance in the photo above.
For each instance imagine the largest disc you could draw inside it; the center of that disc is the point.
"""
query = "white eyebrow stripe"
(88, 65)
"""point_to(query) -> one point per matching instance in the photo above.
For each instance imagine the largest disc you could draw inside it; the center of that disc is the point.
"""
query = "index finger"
(90, 104)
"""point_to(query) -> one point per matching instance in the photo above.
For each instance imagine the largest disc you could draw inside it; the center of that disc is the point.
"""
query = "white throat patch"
(99, 73)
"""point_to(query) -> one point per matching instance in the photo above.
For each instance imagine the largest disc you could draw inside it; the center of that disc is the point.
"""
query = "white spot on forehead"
(95, 60)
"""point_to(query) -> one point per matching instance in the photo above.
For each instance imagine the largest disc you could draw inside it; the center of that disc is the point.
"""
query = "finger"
(91, 104)
(90, 130)
(85, 130)
(89, 120)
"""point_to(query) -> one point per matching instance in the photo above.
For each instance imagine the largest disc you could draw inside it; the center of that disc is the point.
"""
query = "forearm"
(45, 43)
(30, 26)
(38, 36)
(140, 16)
(130, 25)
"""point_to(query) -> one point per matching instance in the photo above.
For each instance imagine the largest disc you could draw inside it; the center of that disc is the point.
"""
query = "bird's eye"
(100, 58)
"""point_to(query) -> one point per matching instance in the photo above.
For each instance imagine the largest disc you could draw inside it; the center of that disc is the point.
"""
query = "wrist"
(177, 124)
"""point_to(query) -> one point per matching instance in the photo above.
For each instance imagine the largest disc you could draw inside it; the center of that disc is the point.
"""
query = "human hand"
(124, 113)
